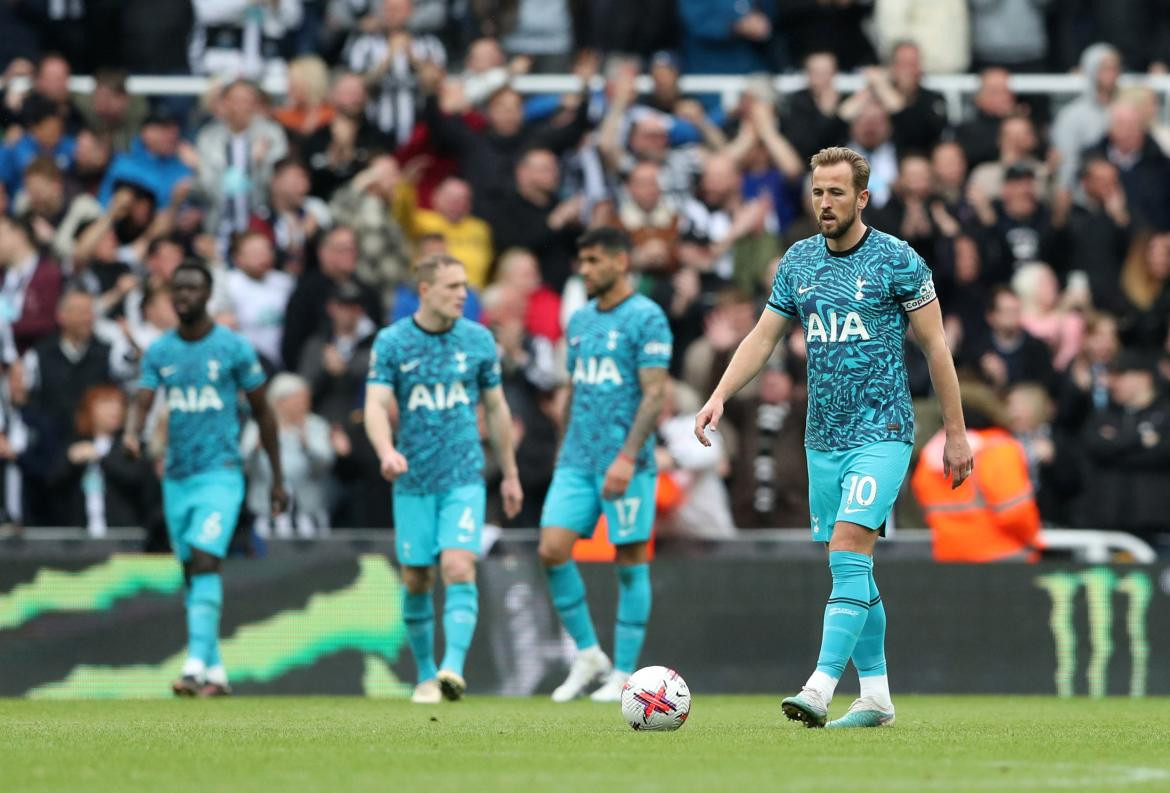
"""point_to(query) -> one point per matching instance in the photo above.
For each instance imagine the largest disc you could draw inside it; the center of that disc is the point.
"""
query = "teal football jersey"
(201, 381)
(853, 306)
(437, 379)
(606, 350)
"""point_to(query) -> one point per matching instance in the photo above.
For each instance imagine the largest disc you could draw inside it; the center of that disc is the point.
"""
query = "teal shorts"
(574, 502)
(857, 485)
(202, 510)
(426, 524)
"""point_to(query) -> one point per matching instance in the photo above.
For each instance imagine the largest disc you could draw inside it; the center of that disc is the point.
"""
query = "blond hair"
(837, 154)
(424, 269)
(315, 75)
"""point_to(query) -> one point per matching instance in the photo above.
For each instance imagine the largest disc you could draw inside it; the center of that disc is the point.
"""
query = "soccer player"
(854, 290)
(432, 369)
(201, 367)
(619, 349)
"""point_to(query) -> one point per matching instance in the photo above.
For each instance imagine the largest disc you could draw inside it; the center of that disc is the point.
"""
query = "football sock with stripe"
(459, 615)
(568, 595)
(418, 612)
(869, 656)
(845, 616)
(633, 611)
(204, 603)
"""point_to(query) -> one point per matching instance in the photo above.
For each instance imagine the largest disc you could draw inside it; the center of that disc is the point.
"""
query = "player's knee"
(418, 580)
(457, 568)
(551, 553)
(203, 563)
(635, 553)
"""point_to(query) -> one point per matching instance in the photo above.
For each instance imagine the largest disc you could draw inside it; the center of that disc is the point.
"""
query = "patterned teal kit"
(853, 307)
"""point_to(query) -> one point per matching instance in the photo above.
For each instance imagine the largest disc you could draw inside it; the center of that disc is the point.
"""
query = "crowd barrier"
(324, 618)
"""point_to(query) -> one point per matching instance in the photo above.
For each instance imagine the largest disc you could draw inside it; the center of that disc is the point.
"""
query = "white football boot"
(427, 693)
(589, 666)
(611, 689)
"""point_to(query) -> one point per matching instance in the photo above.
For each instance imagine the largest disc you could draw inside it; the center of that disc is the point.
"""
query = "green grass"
(739, 744)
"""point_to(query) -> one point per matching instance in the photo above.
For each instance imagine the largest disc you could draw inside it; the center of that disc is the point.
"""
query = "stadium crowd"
(1047, 226)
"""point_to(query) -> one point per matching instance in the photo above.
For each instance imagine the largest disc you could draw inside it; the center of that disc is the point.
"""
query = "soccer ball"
(656, 698)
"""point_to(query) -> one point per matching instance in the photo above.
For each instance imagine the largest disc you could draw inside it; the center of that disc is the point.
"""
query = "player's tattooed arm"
(958, 460)
(139, 408)
(499, 425)
(270, 441)
(621, 470)
(751, 355)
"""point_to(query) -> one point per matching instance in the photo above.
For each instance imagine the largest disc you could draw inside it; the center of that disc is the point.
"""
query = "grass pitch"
(736, 744)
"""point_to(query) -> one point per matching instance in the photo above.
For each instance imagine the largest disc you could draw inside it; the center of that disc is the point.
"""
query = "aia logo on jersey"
(437, 397)
(193, 400)
(835, 329)
(596, 371)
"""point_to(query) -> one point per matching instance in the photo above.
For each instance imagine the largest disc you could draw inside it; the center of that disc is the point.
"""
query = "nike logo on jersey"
(849, 511)
(804, 289)
(167, 371)
(408, 366)
(573, 342)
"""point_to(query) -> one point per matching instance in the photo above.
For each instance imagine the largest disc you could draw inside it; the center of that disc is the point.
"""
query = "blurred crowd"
(1046, 222)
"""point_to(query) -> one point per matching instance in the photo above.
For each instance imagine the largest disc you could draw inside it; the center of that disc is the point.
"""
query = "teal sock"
(869, 656)
(633, 611)
(568, 595)
(418, 612)
(459, 615)
(204, 602)
(846, 611)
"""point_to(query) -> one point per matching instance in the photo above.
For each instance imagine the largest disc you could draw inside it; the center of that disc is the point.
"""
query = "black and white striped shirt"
(394, 107)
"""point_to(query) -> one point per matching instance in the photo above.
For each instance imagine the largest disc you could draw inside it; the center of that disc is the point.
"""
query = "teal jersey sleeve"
(488, 371)
(381, 370)
(657, 343)
(782, 301)
(148, 376)
(913, 283)
(246, 368)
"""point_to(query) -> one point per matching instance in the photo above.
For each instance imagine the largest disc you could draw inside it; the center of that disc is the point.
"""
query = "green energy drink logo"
(1099, 585)
(365, 615)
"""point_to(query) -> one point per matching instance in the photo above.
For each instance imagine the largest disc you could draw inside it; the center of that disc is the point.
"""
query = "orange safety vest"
(991, 516)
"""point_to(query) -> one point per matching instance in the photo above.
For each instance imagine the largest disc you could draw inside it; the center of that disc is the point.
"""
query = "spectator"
(51, 84)
(306, 110)
(469, 239)
(994, 101)
(1128, 448)
(32, 285)
(91, 159)
(991, 517)
(948, 164)
(1047, 315)
(698, 471)
(1084, 390)
(42, 202)
(531, 217)
(306, 457)
(1053, 457)
(45, 138)
(388, 58)
(96, 485)
(163, 257)
(1097, 233)
(1009, 33)
(1019, 226)
(334, 362)
(153, 161)
(726, 37)
(1083, 122)
(918, 114)
(1010, 354)
(336, 152)
(871, 135)
(1145, 280)
(96, 270)
(366, 205)
(811, 119)
(111, 111)
(650, 219)
(1017, 147)
(939, 28)
(256, 296)
(648, 140)
(772, 167)
(305, 316)
(241, 39)
(236, 157)
(1144, 168)
(292, 218)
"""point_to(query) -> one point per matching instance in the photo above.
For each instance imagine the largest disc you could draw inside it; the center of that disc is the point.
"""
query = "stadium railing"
(956, 88)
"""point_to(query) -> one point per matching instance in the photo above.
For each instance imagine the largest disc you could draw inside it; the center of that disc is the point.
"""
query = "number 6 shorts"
(858, 485)
(574, 502)
(426, 524)
(202, 510)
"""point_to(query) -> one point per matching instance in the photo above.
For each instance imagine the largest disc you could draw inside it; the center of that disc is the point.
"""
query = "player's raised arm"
(379, 399)
(499, 425)
(270, 442)
(958, 461)
(751, 355)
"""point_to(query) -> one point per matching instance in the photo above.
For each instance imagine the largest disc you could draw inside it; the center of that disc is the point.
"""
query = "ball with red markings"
(656, 698)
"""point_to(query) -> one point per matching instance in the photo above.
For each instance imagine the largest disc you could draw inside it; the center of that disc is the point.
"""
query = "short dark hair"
(289, 161)
(998, 291)
(194, 265)
(609, 238)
